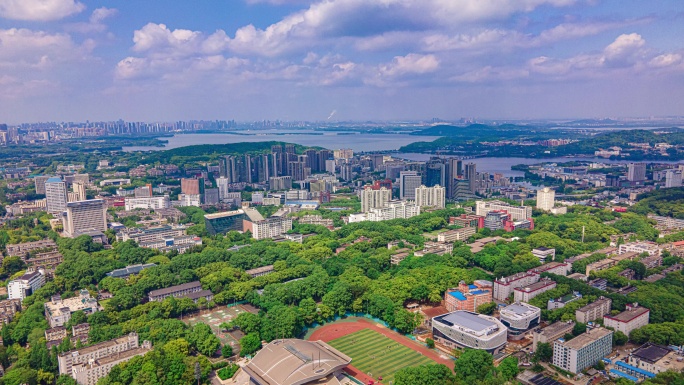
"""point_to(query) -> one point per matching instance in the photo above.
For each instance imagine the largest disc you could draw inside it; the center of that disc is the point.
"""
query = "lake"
(330, 140)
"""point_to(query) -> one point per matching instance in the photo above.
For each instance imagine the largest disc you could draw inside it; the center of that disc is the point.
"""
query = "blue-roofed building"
(468, 297)
(623, 375)
(633, 370)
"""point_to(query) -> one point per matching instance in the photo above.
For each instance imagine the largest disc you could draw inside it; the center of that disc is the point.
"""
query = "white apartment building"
(79, 191)
(373, 199)
(518, 213)
(85, 216)
(431, 196)
(109, 348)
(525, 294)
(633, 317)
(268, 228)
(584, 350)
(546, 199)
(25, 285)
(148, 203)
(55, 195)
(150, 234)
(456, 235)
(504, 286)
(640, 247)
(90, 372)
(594, 310)
(394, 210)
(186, 200)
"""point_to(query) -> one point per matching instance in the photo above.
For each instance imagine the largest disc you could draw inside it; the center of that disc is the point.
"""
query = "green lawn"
(370, 354)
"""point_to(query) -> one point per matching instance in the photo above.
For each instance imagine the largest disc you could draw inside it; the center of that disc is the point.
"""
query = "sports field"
(377, 355)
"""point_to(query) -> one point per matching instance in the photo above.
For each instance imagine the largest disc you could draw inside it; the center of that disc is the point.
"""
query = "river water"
(359, 143)
(330, 140)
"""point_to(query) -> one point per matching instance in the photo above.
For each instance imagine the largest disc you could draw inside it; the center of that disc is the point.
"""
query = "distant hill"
(206, 152)
(621, 139)
(594, 122)
(475, 129)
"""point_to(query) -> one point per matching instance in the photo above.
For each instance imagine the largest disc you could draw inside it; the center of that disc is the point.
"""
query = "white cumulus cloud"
(39, 10)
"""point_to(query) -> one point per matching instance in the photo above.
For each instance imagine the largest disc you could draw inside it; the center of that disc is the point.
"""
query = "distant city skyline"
(348, 60)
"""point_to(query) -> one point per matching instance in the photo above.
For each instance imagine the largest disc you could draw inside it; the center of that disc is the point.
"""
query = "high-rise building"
(222, 185)
(211, 196)
(546, 199)
(673, 178)
(345, 153)
(471, 176)
(228, 168)
(346, 172)
(55, 195)
(280, 183)
(374, 198)
(85, 216)
(80, 191)
(636, 172)
(517, 213)
(431, 196)
(221, 223)
(409, 181)
(40, 183)
(193, 186)
(435, 173)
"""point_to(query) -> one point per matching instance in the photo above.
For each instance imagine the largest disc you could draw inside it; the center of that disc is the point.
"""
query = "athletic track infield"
(363, 348)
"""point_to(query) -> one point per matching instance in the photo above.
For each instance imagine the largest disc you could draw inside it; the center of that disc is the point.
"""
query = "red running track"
(333, 331)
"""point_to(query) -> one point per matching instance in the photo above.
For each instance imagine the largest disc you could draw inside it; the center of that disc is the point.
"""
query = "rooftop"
(434, 311)
(519, 310)
(173, 289)
(651, 352)
(477, 324)
(224, 214)
(537, 285)
(557, 327)
(587, 338)
(630, 314)
(292, 361)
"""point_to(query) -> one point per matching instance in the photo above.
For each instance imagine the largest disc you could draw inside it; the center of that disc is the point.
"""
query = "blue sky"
(163, 60)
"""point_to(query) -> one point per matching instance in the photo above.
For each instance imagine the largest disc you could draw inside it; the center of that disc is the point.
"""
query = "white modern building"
(55, 195)
(84, 216)
(269, 227)
(519, 318)
(394, 210)
(518, 213)
(25, 285)
(584, 350)
(546, 199)
(148, 203)
(464, 329)
(431, 196)
(374, 199)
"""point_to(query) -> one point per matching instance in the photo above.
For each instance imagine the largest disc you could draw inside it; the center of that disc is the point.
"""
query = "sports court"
(216, 317)
(377, 355)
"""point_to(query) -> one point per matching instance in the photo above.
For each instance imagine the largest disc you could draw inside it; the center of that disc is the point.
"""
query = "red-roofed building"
(467, 297)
